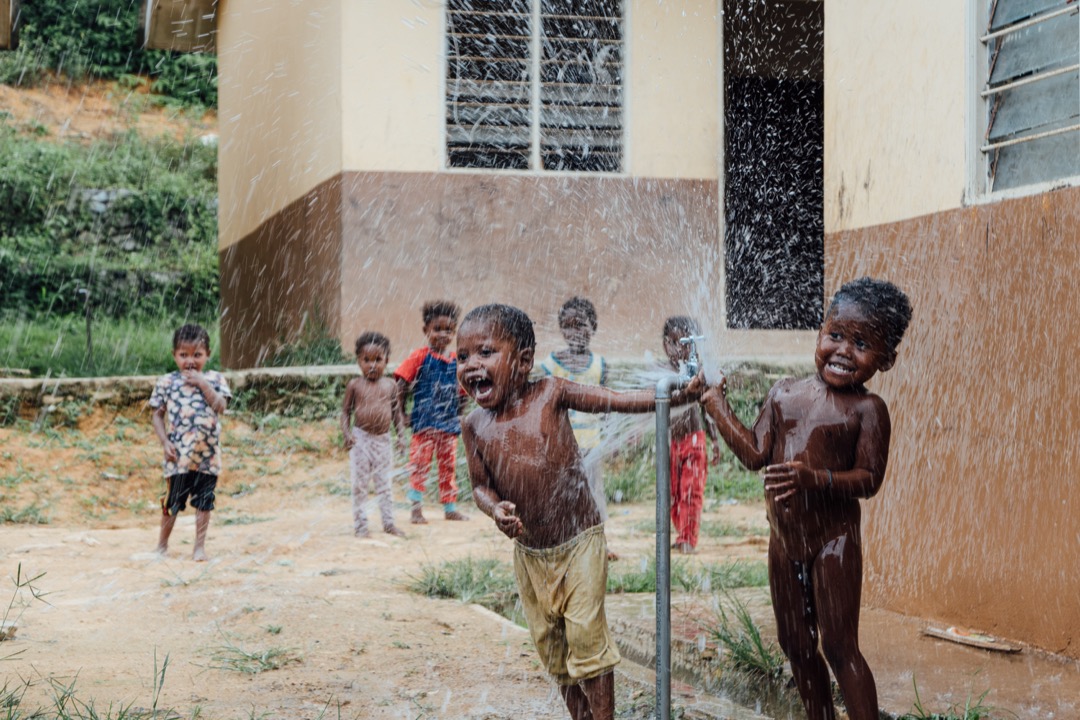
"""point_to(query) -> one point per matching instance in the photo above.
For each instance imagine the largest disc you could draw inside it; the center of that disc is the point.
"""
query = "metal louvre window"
(534, 84)
(1032, 93)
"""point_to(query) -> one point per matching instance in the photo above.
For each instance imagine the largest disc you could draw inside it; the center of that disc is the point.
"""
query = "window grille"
(1032, 94)
(534, 84)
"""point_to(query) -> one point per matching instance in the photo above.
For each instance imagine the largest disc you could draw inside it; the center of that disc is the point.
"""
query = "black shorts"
(196, 485)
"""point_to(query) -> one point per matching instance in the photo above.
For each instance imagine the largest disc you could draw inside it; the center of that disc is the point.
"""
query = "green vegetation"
(690, 577)
(97, 39)
(486, 582)
(973, 708)
(740, 638)
(231, 656)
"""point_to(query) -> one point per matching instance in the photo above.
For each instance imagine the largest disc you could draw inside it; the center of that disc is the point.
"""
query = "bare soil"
(286, 578)
(62, 110)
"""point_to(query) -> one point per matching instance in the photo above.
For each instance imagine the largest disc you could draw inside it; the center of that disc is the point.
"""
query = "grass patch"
(233, 657)
(740, 638)
(690, 577)
(721, 528)
(973, 708)
(32, 514)
(486, 582)
(55, 345)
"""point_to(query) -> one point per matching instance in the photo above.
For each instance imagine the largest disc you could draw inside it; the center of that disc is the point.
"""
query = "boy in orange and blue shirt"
(430, 373)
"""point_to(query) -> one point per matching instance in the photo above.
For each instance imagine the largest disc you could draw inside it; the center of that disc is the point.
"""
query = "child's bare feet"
(200, 555)
(362, 534)
(685, 548)
(394, 530)
(455, 515)
(417, 517)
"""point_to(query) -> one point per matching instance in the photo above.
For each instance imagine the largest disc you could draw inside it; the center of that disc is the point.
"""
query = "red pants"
(443, 446)
(689, 469)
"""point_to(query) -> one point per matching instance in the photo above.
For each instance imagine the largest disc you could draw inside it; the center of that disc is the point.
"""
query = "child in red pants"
(431, 374)
(689, 464)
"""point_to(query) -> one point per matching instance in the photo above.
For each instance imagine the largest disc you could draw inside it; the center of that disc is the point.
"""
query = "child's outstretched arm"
(752, 447)
(402, 393)
(598, 399)
(503, 512)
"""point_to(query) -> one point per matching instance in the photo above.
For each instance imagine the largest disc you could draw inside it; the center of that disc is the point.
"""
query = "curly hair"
(512, 321)
(885, 304)
(580, 305)
(373, 338)
(195, 334)
(440, 308)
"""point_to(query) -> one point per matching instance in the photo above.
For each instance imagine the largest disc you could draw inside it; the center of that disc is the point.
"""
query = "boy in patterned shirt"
(186, 404)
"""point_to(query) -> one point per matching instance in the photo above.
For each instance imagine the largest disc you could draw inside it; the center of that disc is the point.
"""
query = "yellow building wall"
(279, 107)
(895, 109)
(674, 68)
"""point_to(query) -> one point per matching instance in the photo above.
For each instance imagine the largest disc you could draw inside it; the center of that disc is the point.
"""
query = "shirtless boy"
(527, 475)
(368, 411)
(824, 444)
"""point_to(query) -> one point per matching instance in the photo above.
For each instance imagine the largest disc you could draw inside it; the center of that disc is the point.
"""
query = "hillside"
(61, 110)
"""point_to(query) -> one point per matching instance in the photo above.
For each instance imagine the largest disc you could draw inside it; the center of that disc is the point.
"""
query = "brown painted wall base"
(366, 250)
(977, 522)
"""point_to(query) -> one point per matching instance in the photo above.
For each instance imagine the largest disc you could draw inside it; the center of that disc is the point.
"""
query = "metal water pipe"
(664, 387)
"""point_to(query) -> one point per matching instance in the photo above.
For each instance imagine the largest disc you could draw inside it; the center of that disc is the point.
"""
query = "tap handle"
(693, 363)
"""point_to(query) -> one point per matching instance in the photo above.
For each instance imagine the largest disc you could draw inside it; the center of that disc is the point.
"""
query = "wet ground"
(1030, 684)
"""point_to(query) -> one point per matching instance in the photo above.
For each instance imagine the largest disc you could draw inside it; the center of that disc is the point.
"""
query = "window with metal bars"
(534, 84)
(1032, 92)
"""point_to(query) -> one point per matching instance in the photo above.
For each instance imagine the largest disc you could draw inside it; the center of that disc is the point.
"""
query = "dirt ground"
(286, 580)
(78, 111)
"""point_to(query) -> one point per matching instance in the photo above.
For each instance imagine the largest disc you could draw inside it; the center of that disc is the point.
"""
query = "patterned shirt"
(192, 424)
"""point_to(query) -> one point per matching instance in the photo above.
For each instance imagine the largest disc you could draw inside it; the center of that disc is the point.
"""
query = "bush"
(99, 39)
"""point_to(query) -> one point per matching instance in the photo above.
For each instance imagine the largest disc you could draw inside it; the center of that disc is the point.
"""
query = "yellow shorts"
(562, 593)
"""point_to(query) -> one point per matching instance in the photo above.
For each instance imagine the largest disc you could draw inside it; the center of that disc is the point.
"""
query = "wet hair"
(373, 338)
(581, 305)
(440, 308)
(512, 321)
(195, 334)
(885, 304)
(681, 325)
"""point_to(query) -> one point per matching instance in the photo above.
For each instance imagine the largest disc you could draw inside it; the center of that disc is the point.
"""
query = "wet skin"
(523, 459)
(371, 401)
(524, 462)
(824, 444)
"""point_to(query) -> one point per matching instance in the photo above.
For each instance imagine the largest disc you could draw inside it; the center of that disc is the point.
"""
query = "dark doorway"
(773, 145)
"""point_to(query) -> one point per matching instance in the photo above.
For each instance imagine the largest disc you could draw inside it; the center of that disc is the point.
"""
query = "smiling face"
(372, 361)
(191, 356)
(490, 366)
(576, 329)
(850, 350)
(440, 332)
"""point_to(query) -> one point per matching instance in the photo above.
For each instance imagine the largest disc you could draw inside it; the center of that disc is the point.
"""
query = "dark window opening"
(773, 148)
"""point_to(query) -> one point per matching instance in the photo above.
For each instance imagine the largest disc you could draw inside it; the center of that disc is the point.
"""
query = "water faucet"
(693, 363)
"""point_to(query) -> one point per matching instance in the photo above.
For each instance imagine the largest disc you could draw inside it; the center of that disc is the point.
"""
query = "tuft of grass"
(231, 656)
(973, 708)
(744, 648)
(243, 520)
(690, 577)
(32, 514)
(23, 595)
(486, 582)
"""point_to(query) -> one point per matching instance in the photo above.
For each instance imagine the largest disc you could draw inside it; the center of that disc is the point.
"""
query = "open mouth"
(480, 388)
(838, 369)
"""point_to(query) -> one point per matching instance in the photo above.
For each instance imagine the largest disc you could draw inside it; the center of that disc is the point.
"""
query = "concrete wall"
(975, 525)
(279, 107)
(895, 110)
